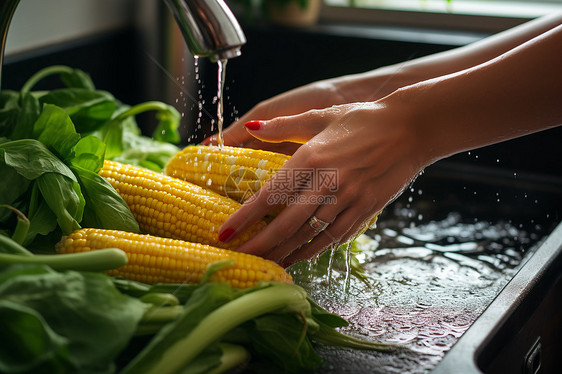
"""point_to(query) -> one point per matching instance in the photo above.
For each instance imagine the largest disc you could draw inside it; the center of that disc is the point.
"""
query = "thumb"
(299, 128)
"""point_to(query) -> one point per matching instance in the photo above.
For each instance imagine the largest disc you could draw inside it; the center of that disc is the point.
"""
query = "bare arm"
(369, 86)
(512, 95)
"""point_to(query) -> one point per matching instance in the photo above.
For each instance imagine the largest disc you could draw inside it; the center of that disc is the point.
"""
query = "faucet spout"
(208, 27)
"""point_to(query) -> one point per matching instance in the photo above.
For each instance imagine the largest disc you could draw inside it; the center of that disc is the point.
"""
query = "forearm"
(512, 95)
(380, 82)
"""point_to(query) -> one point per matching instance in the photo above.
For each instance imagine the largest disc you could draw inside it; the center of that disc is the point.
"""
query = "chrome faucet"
(208, 27)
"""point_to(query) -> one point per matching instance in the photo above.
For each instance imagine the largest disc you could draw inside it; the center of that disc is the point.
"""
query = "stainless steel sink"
(520, 331)
(466, 273)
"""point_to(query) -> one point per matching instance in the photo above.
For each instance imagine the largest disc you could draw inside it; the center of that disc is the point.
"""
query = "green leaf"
(112, 135)
(55, 130)
(275, 337)
(42, 219)
(31, 159)
(28, 344)
(9, 109)
(105, 208)
(95, 320)
(65, 199)
(77, 79)
(88, 109)
(18, 113)
(12, 186)
(27, 116)
(203, 301)
(89, 154)
(322, 316)
(145, 152)
(73, 78)
(168, 124)
(125, 143)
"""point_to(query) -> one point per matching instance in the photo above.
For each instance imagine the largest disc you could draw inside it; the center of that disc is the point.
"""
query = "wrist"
(410, 107)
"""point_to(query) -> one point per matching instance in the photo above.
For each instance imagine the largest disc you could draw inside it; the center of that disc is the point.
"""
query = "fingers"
(341, 230)
(288, 224)
(288, 129)
(264, 201)
(235, 135)
(303, 196)
(313, 226)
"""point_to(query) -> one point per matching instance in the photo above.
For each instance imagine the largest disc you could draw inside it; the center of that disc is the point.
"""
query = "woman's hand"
(363, 87)
(355, 159)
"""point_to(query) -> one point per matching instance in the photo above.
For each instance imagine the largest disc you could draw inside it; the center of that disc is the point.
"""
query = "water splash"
(426, 284)
(347, 282)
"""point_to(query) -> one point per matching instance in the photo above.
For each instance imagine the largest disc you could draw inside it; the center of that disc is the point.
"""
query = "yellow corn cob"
(234, 172)
(153, 259)
(173, 208)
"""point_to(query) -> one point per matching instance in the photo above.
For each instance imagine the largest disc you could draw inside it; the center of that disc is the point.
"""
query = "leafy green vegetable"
(105, 208)
(42, 219)
(51, 168)
(125, 144)
(10, 192)
(31, 159)
(278, 321)
(38, 347)
(9, 109)
(88, 109)
(65, 199)
(168, 119)
(89, 154)
(276, 337)
(55, 130)
(63, 322)
(145, 152)
(28, 112)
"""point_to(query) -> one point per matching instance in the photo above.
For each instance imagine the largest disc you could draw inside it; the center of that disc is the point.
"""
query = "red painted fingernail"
(253, 125)
(227, 235)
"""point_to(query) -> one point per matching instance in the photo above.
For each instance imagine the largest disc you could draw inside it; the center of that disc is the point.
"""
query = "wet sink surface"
(437, 258)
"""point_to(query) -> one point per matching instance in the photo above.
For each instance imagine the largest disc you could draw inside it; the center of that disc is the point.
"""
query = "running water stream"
(220, 106)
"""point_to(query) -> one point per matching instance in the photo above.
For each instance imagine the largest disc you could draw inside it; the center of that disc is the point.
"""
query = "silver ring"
(317, 224)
